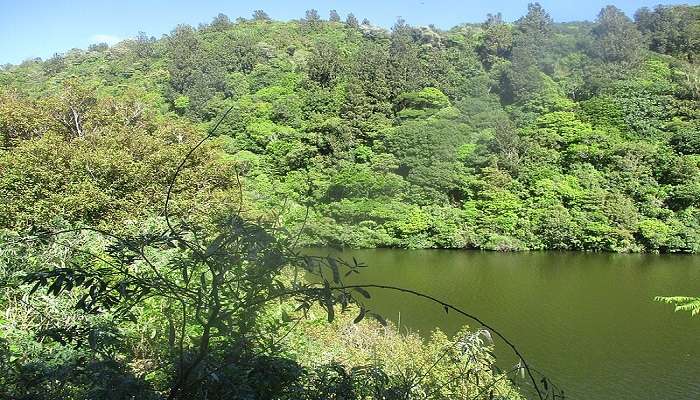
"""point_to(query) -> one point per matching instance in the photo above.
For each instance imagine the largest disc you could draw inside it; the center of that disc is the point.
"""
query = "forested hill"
(505, 136)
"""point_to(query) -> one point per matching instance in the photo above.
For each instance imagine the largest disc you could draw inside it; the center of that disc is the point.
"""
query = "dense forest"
(530, 135)
(154, 194)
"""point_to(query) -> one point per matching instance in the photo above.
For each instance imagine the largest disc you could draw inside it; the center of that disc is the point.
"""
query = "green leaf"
(379, 318)
(363, 292)
(214, 246)
(360, 316)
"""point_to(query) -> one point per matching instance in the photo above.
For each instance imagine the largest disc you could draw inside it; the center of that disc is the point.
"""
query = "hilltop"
(502, 136)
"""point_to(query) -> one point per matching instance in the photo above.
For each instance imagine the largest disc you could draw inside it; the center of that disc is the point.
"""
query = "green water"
(585, 320)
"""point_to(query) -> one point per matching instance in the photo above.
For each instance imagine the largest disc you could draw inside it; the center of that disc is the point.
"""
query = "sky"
(40, 28)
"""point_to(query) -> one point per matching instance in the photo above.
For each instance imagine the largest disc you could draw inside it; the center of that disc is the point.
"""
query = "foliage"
(524, 136)
(682, 303)
(410, 137)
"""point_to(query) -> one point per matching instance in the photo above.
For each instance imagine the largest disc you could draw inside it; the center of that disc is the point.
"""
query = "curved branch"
(459, 311)
(182, 164)
(422, 295)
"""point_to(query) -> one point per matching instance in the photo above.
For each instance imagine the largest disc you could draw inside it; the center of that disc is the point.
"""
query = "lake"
(587, 321)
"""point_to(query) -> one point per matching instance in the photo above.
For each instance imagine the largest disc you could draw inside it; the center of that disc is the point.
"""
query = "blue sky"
(39, 28)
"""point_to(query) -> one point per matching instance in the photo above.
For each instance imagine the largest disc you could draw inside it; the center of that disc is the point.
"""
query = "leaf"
(184, 273)
(331, 311)
(334, 268)
(363, 292)
(80, 305)
(447, 309)
(360, 316)
(35, 287)
(55, 287)
(328, 301)
(379, 318)
(214, 246)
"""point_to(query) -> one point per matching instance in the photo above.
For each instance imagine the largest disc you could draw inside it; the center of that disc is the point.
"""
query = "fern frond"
(682, 303)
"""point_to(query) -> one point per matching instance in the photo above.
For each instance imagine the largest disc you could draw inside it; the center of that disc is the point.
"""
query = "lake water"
(587, 321)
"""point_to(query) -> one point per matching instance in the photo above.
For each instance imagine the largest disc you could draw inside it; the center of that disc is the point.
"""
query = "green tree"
(616, 37)
(671, 29)
(351, 21)
(523, 77)
(325, 63)
(497, 43)
(260, 15)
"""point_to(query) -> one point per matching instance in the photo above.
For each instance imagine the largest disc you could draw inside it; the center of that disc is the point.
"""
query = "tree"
(98, 47)
(404, 63)
(143, 45)
(616, 37)
(73, 108)
(194, 72)
(334, 16)
(671, 29)
(421, 104)
(427, 154)
(311, 18)
(260, 15)
(240, 53)
(55, 64)
(325, 63)
(20, 119)
(533, 36)
(351, 21)
(497, 42)
(220, 23)
(536, 24)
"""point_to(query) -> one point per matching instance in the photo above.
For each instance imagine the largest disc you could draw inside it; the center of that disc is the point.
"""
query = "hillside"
(501, 136)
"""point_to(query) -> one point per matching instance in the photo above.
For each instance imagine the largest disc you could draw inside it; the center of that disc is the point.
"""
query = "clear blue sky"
(39, 28)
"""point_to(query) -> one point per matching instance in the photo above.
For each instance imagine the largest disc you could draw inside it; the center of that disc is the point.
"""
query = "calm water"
(585, 320)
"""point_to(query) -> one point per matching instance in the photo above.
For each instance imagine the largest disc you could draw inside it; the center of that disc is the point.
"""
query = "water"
(587, 321)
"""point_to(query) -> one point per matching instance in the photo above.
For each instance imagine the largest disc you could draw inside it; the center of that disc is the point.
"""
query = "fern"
(682, 303)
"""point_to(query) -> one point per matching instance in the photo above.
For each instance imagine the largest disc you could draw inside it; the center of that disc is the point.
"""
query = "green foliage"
(671, 29)
(682, 303)
(525, 136)
(530, 135)
(421, 104)
(616, 37)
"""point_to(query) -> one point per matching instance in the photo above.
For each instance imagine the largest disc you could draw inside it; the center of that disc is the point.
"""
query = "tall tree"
(404, 63)
(351, 21)
(616, 37)
(260, 15)
(194, 73)
(311, 18)
(671, 30)
(325, 63)
(497, 43)
(529, 46)
(220, 22)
